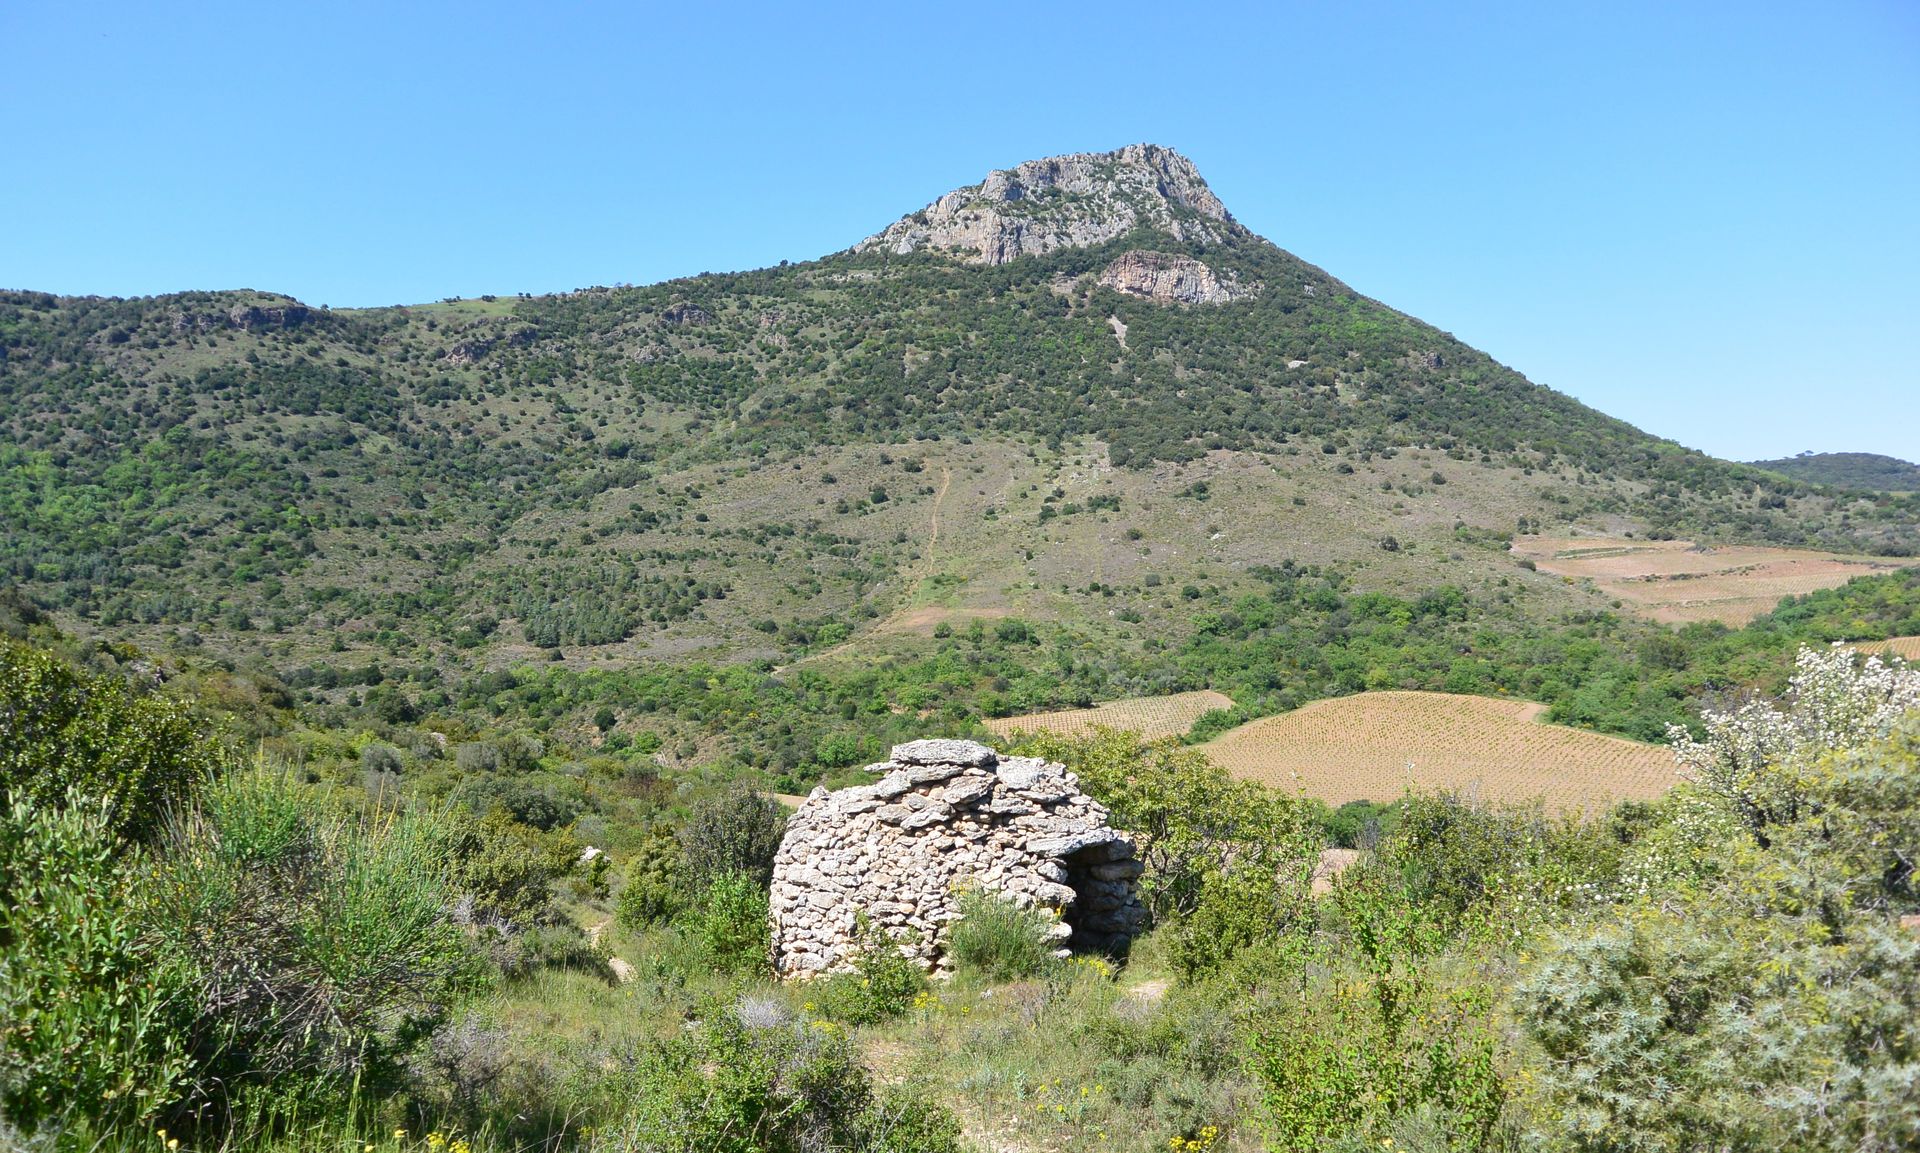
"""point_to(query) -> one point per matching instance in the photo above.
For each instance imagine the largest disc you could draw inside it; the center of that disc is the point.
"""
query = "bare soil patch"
(924, 619)
(1151, 717)
(1332, 863)
(1677, 581)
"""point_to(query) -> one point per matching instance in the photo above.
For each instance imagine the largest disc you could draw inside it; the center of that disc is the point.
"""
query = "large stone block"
(967, 754)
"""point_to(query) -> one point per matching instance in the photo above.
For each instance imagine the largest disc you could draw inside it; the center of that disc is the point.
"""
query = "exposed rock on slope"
(1064, 202)
(945, 815)
(1169, 279)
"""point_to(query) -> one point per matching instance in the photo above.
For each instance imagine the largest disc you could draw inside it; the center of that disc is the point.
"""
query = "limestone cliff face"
(1064, 202)
(1170, 279)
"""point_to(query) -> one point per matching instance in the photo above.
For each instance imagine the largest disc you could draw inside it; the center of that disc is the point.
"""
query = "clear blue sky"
(1698, 217)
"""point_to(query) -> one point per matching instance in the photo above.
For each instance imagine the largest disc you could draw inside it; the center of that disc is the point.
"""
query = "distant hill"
(1862, 470)
(1069, 393)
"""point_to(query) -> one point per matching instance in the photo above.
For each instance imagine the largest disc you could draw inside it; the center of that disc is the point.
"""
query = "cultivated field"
(1372, 746)
(1151, 717)
(1907, 647)
(1677, 581)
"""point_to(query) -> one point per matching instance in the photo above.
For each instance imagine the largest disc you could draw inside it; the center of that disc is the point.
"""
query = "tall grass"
(998, 939)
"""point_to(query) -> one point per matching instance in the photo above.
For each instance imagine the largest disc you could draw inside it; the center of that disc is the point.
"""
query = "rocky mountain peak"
(1079, 200)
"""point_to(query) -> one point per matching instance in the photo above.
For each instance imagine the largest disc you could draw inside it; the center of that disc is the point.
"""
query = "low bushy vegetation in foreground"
(242, 953)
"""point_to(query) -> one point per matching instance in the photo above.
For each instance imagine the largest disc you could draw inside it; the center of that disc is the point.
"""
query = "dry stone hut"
(946, 815)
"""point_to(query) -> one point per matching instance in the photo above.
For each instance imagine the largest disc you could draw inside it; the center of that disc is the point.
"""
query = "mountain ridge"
(739, 464)
(1871, 471)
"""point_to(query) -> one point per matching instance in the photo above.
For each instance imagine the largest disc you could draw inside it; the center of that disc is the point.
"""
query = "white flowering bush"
(1759, 757)
(1758, 994)
(1685, 844)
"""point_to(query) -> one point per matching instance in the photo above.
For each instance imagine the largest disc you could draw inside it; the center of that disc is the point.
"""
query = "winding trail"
(906, 600)
(622, 971)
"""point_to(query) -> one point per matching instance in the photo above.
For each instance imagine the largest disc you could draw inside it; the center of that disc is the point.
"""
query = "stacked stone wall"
(945, 816)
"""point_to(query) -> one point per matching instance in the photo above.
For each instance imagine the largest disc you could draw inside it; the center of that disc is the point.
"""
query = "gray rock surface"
(1072, 201)
(942, 754)
(945, 816)
(1169, 279)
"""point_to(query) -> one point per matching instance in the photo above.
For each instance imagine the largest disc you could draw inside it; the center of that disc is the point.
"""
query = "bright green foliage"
(1382, 1043)
(785, 1087)
(1240, 910)
(998, 939)
(90, 1005)
(1187, 816)
(882, 986)
(505, 869)
(729, 920)
(63, 731)
(655, 890)
(1477, 865)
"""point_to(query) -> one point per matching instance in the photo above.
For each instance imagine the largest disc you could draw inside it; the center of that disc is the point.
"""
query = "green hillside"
(1861, 470)
(390, 702)
(753, 465)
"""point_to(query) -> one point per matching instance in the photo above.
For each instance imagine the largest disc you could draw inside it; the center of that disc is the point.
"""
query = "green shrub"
(503, 869)
(538, 801)
(882, 986)
(1768, 1005)
(1236, 911)
(1360, 824)
(64, 732)
(1503, 868)
(321, 950)
(655, 890)
(1373, 1040)
(561, 945)
(737, 831)
(1185, 813)
(90, 1008)
(729, 920)
(998, 939)
(1172, 1065)
(908, 1119)
(774, 1087)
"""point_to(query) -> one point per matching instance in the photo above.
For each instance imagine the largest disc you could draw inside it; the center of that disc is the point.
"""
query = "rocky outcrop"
(1064, 202)
(475, 348)
(684, 314)
(946, 815)
(247, 317)
(469, 351)
(1170, 279)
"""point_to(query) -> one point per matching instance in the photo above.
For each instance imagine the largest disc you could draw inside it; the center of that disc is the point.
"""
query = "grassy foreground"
(209, 952)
